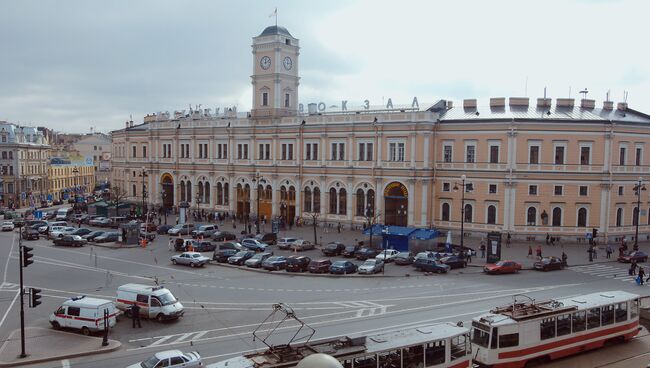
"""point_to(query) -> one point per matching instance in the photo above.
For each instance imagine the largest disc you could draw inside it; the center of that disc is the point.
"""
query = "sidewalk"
(45, 344)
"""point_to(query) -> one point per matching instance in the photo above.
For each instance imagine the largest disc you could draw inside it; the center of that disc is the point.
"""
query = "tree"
(118, 195)
(314, 222)
(371, 219)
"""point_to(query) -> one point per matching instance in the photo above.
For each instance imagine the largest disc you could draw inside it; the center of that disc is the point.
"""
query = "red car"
(502, 267)
(638, 256)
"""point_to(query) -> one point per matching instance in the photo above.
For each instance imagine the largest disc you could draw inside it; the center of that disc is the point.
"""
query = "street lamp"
(384, 232)
(163, 195)
(75, 171)
(259, 182)
(466, 187)
(143, 175)
(638, 188)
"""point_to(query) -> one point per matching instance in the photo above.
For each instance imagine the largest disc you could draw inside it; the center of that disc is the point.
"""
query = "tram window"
(563, 324)
(413, 356)
(435, 353)
(621, 312)
(347, 363)
(368, 361)
(495, 333)
(579, 321)
(508, 340)
(593, 318)
(634, 308)
(608, 314)
(547, 328)
(458, 347)
(390, 359)
(480, 337)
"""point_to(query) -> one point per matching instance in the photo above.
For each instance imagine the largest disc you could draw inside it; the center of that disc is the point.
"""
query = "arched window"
(531, 216)
(283, 193)
(635, 216)
(316, 200)
(201, 192)
(188, 188)
(557, 217)
(226, 195)
(333, 198)
(292, 194)
(342, 201)
(445, 212)
(219, 194)
(582, 217)
(468, 213)
(182, 191)
(361, 196)
(307, 199)
(491, 215)
(370, 202)
(619, 217)
(206, 192)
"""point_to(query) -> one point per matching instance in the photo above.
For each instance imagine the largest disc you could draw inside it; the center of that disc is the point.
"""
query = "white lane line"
(160, 341)
(184, 337)
(9, 309)
(11, 250)
(199, 335)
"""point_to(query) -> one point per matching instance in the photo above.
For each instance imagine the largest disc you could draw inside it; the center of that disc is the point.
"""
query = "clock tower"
(275, 73)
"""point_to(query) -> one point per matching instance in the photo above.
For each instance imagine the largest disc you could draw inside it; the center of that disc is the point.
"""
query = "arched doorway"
(243, 201)
(266, 201)
(167, 183)
(396, 204)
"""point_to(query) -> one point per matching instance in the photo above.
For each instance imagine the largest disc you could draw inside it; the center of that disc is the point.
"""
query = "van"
(85, 314)
(63, 213)
(154, 301)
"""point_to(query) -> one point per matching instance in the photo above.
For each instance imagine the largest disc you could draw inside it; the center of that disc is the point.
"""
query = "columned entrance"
(266, 201)
(167, 193)
(396, 204)
(243, 201)
(288, 203)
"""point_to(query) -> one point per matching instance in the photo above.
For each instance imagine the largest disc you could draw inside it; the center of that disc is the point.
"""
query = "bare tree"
(314, 223)
(118, 195)
(371, 219)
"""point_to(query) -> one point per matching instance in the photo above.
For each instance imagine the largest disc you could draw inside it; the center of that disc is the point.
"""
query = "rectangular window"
(446, 187)
(634, 308)
(621, 156)
(639, 154)
(284, 151)
(245, 152)
(369, 151)
(308, 152)
(74, 311)
(286, 100)
(448, 153)
(557, 190)
(435, 352)
(621, 312)
(593, 318)
(470, 154)
(333, 152)
(265, 98)
(133, 151)
(400, 152)
(532, 190)
(547, 328)
(239, 151)
(620, 190)
(494, 154)
(362, 152)
(584, 155)
(341, 151)
(314, 153)
(563, 324)
(396, 151)
(290, 151)
(559, 155)
(267, 151)
(493, 189)
(260, 152)
(509, 340)
(144, 151)
(459, 347)
(584, 190)
(607, 313)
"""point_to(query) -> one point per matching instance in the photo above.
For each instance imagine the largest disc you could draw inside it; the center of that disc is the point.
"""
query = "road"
(224, 305)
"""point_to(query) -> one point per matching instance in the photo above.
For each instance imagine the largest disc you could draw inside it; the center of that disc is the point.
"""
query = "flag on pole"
(275, 14)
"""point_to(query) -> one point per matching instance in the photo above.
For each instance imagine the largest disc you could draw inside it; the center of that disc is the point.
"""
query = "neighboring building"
(69, 177)
(97, 146)
(535, 168)
(24, 156)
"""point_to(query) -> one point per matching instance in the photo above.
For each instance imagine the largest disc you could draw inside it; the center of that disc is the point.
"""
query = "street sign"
(38, 214)
(275, 226)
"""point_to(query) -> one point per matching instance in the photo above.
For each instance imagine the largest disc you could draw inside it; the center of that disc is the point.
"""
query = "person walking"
(469, 256)
(530, 252)
(482, 248)
(632, 270)
(539, 251)
(548, 239)
(338, 227)
(564, 258)
(170, 246)
(609, 251)
(135, 315)
(508, 240)
(641, 275)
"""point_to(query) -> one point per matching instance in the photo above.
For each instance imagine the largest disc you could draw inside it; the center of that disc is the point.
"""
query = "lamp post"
(163, 195)
(638, 188)
(143, 175)
(259, 183)
(465, 186)
(75, 171)
(197, 199)
(384, 232)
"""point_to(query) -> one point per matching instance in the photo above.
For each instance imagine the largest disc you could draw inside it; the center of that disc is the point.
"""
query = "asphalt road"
(224, 305)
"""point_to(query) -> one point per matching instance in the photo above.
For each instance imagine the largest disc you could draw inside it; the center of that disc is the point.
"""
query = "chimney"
(498, 102)
(587, 104)
(543, 102)
(450, 104)
(469, 103)
(622, 106)
(127, 125)
(608, 105)
(564, 102)
(519, 101)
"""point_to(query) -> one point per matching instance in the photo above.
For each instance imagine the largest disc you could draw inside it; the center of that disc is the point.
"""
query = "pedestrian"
(548, 238)
(79, 224)
(338, 227)
(469, 256)
(530, 252)
(609, 250)
(595, 248)
(508, 240)
(564, 258)
(135, 315)
(641, 275)
(170, 246)
(482, 248)
(249, 228)
(632, 270)
(539, 251)
(552, 240)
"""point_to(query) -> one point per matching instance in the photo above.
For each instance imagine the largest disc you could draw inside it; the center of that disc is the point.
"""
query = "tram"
(523, 332)
(432, 346)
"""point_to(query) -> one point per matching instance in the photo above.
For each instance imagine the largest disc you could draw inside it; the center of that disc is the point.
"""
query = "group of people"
(640, 274)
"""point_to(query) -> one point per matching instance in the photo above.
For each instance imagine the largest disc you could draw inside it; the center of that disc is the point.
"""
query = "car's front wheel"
(173, 261)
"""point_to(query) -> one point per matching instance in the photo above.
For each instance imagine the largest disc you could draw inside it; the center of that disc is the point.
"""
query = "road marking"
(184, 337)
(88, 268)
(11, 250)
(10, 306)
(158, 342)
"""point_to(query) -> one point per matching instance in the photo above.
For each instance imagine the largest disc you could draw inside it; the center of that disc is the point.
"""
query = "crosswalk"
(607, 271)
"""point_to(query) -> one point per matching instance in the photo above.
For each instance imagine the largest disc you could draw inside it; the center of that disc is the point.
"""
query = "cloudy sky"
(72, 65)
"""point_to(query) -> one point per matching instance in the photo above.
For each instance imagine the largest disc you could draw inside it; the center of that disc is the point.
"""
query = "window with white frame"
(494, 152)
(622, 150)
(264, 151)
(311, 151)
(585, 154)
(446, 187)
(287, 151)
(638, 158)
(492, 189)
(365, 151)
(584, 190)
(532, 189)
(396, 151)
(470, 153)
(338, 151)
(242, 151)
(558, 190)
(287, 100)
(222, 151)
(447, 152)
(203, 150)
(265, 98)
(559, 154)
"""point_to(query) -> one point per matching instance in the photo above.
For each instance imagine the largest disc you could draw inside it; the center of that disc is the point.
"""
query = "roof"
(411, 336)
(391, 230)
(275, 30)
(424, 234)
(168, 354)
(86, 301)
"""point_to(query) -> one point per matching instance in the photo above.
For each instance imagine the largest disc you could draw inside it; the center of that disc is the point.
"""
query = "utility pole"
(22, 292)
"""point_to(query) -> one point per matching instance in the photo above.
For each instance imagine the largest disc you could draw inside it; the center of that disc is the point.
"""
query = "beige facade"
(536, 167)
(67, 179)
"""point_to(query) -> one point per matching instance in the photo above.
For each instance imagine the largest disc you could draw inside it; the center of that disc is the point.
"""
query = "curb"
(303, 274)
(114, 246)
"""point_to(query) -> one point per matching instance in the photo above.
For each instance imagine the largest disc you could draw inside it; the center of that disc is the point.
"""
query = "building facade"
(97, 146)
(535, 167)
(69, 178)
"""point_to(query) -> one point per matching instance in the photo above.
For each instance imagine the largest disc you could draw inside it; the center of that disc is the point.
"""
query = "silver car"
(285, 243)
(300, 245)
(372, 265)
(192, 259)
(171, 358)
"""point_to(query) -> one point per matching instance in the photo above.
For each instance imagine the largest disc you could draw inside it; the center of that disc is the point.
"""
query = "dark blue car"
(430, 265)
(275, 263)
(343, 267)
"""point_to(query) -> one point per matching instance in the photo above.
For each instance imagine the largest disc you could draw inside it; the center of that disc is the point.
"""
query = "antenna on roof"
(545, 92)
(569, 91)
(526, 88)
(607, 96)
(584, 93)
(625, 96)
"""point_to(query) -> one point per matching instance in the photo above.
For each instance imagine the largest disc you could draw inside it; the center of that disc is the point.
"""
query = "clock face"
(287, 63)
(265, 62)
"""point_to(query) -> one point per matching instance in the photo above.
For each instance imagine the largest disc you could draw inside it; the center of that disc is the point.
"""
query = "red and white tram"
(523, 332)
(439, 345)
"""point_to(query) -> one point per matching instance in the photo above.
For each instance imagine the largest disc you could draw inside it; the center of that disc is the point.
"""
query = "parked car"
(232, 245)
(150, 236)
(49, 215)
(343, 267)
(89, 218)
(638, 256)
(222, 255)
(403, 258)
(256, 260)
(70, 240)
(192, 259)
(30, 234)
(267, 238)
(172, 359)
(430, 264)
(66, 230)
(296, 263)
(81, 231)
(91, 236)
(387, 255)
(240, 257)
(163, 229)
(350, 251)
(372, 265)
(275, 263)
(116, 221)
(285, 243)
(549, 264)
(148, 227)
(220, 236)
(300, 245)
(365, 253)
(101, 222)
(205, 231)
(454, 262)
(254, 245)
(319, 266)
(182, 244)
(31, 223)
(95, 220)
(7, 226)
(333, 249)
(181, 229)
(107, 237)
(502, 267)
(203, 246)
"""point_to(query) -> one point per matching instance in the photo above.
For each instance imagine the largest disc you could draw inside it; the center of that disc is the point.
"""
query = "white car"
(171, 358)
(286, 243)
(66, 230)
(7, 226)
(97, 221)
(387, 255)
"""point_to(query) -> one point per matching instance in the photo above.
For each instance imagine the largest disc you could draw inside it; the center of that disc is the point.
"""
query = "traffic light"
(27, 254)
(34, 296)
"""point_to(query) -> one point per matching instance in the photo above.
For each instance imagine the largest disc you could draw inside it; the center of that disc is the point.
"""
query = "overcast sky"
(72, 65)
